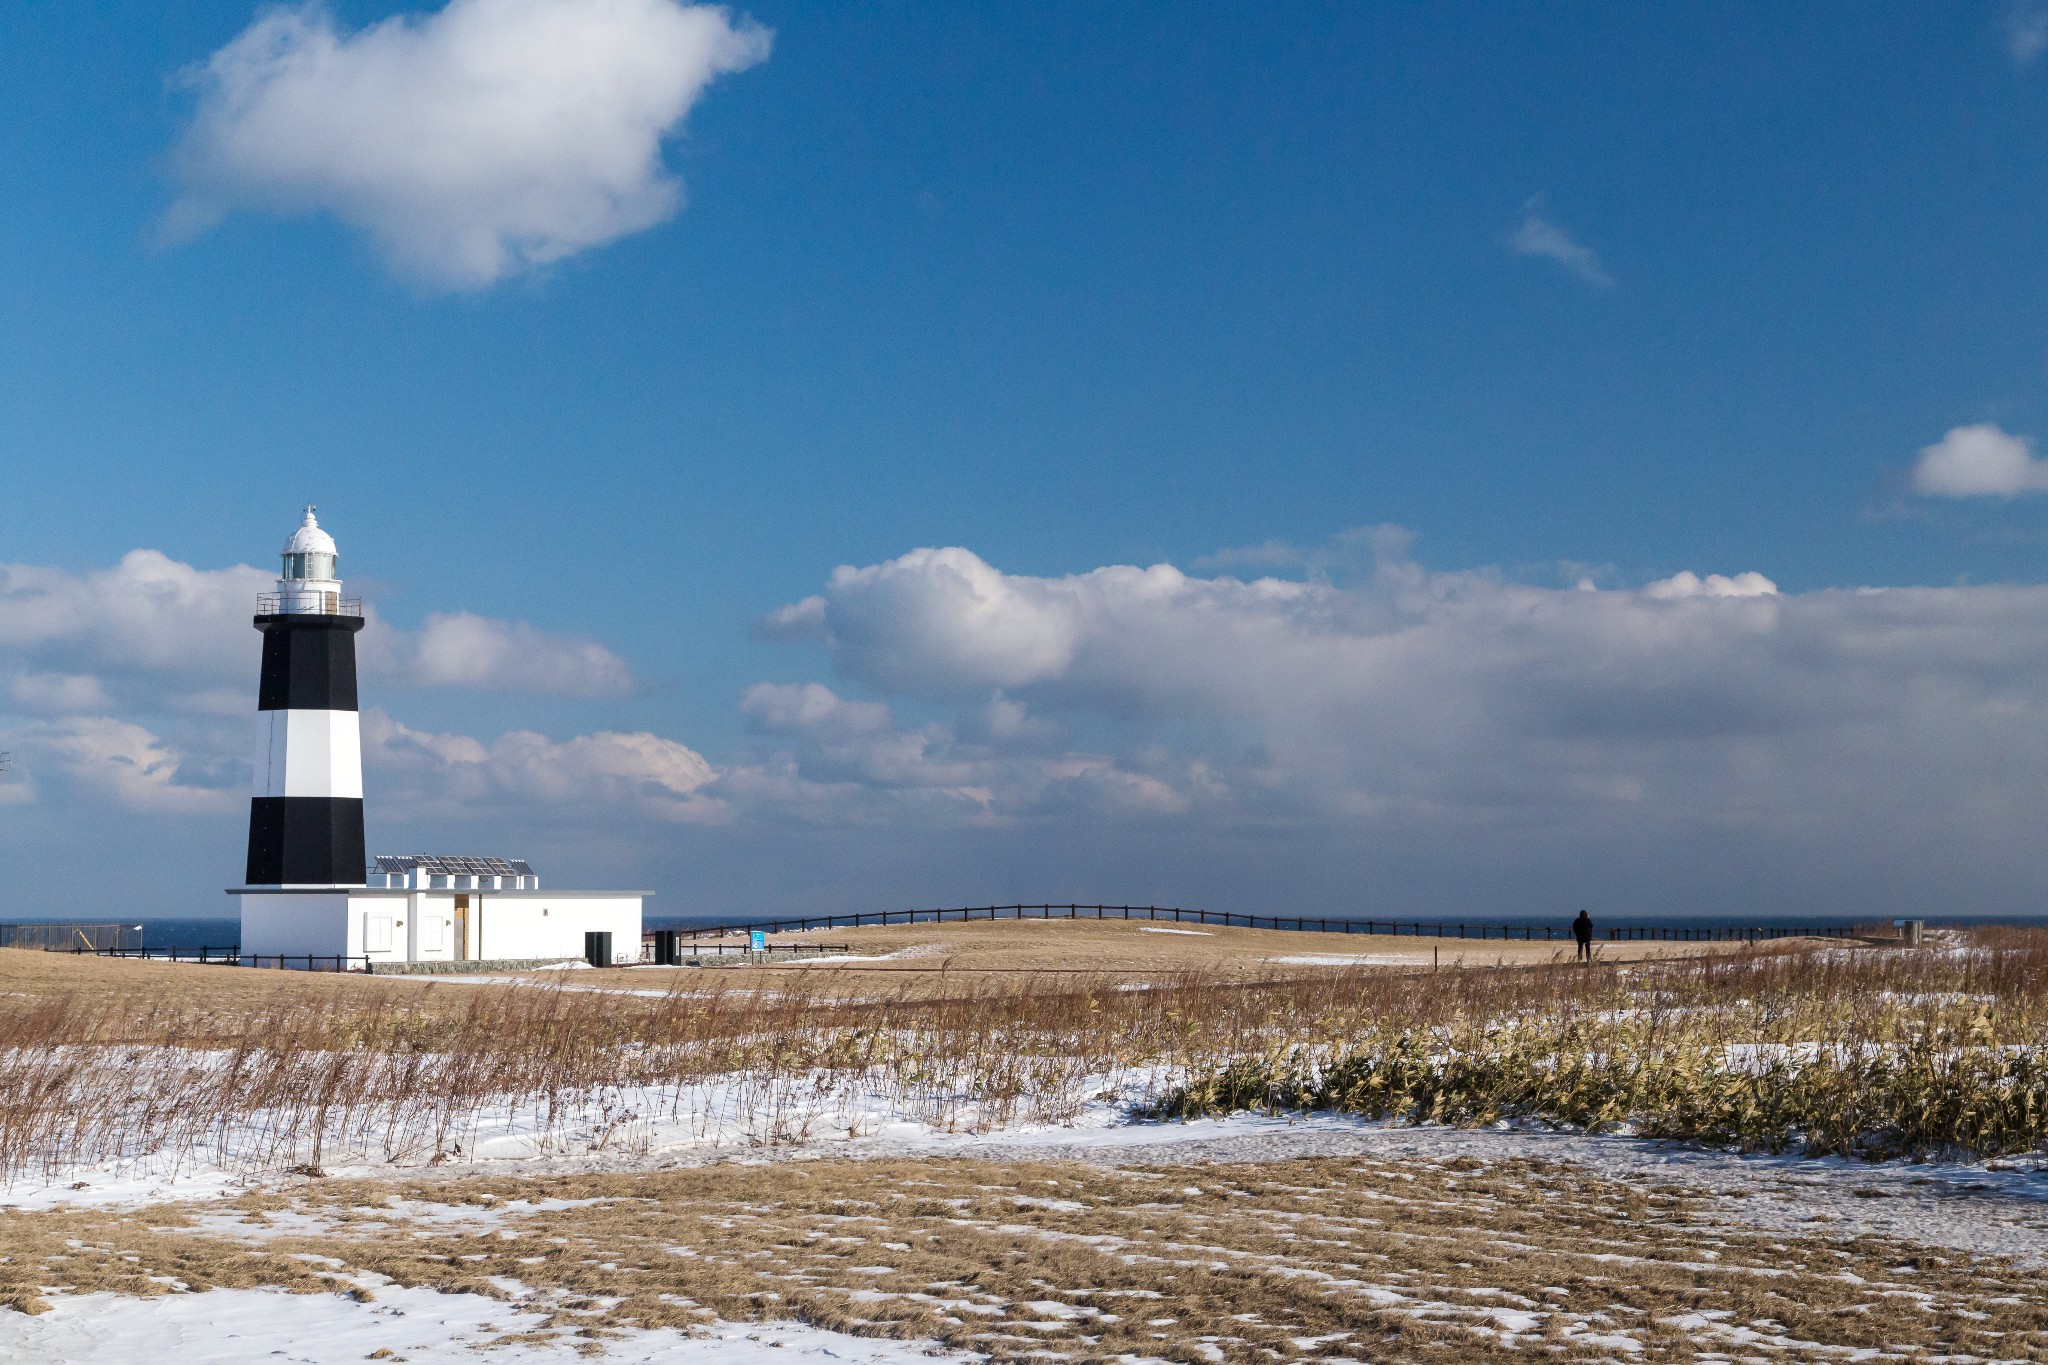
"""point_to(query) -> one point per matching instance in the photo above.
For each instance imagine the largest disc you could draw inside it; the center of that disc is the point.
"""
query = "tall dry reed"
(1870, 1052)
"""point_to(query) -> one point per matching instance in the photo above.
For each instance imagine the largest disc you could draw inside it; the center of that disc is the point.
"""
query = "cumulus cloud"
(1539, 237)
(1452, 697)
(1375, 735)
(59, 693)
(1686, 583)
(1979, 461)
(845, 761)
(153, 633)
(601, 775)
(942, 620)
(470, 143)
(461, 650)
(147, 613)
(122, 762)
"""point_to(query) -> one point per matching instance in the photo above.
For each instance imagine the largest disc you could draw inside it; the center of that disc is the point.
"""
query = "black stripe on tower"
(309, 664)
(306, 841)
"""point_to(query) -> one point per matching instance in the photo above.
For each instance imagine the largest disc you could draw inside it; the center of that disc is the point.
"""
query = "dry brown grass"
(1367, 1258)
(140, 998)
(102, 1060)
(1165, 948)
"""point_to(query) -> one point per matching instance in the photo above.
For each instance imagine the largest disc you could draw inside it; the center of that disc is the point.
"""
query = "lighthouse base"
(358, 927)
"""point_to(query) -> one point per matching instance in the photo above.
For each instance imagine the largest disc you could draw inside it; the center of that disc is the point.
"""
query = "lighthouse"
(306, 811)
(308, 900)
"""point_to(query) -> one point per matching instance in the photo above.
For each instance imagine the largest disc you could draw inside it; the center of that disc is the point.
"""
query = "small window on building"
(377, 934)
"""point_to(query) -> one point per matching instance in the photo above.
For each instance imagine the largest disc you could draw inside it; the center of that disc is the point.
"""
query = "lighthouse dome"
(308, 558)
(309, 538)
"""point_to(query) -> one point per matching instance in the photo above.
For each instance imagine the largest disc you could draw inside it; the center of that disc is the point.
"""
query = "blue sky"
(1612, 293)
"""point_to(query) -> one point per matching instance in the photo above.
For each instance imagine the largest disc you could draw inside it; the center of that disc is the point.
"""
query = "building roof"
(433, 865)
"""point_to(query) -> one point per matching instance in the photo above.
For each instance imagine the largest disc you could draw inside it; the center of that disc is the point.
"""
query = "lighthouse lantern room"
(308, 897)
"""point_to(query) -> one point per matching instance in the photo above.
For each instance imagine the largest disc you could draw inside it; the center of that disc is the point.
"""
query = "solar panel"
(455, 865)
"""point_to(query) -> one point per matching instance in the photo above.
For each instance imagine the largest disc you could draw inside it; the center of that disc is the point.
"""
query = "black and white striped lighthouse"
(306, 813)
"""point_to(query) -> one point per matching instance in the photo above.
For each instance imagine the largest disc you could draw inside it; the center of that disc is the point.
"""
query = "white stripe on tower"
(309, 753)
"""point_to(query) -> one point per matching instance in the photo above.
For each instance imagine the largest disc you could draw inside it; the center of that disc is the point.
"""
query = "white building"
(421, 909)
(308, 895)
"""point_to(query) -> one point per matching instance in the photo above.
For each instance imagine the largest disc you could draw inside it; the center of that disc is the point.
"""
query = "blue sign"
(759, 937)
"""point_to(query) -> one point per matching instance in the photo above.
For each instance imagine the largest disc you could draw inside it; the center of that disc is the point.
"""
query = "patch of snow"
(272, 1327)
(1195, 933)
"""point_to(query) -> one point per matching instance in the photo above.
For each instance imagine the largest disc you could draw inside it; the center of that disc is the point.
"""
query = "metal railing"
(230, 956)
(307, 604)
(64, 938)
(649, 954)
(1675, 933)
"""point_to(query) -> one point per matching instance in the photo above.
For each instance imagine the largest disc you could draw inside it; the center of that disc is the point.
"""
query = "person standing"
(1582, 930)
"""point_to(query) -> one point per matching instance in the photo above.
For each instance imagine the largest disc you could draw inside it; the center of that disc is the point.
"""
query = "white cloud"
(600, 776)
(852, 762)
(1538, 236)
(937, 619)
(117, 760)
(810, 708)
(1979, 461)
(1375, 734)
(58, 693)
(152, 633)
(844, 761)
(461, 650)
(1689, 584)
(1446, 698)
(472, 143)
(148, 613)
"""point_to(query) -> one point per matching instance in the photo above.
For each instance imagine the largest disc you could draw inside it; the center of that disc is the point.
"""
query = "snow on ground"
(1192, 933)
(247, 1326)
(1996, 1208)
(618, 1127)
(1345, 960)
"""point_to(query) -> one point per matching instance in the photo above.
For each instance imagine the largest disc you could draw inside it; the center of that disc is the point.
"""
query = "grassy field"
(1935, 1053)
(1359, 1258)
(1152, 949)
(1869, 1052)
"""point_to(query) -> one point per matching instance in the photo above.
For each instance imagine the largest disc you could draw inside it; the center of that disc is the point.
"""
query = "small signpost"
(757, 939)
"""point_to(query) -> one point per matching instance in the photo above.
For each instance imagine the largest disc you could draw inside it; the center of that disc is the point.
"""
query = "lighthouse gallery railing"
(307, 604)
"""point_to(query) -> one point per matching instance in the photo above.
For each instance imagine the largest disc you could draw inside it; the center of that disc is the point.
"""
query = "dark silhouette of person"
(1582, 930)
